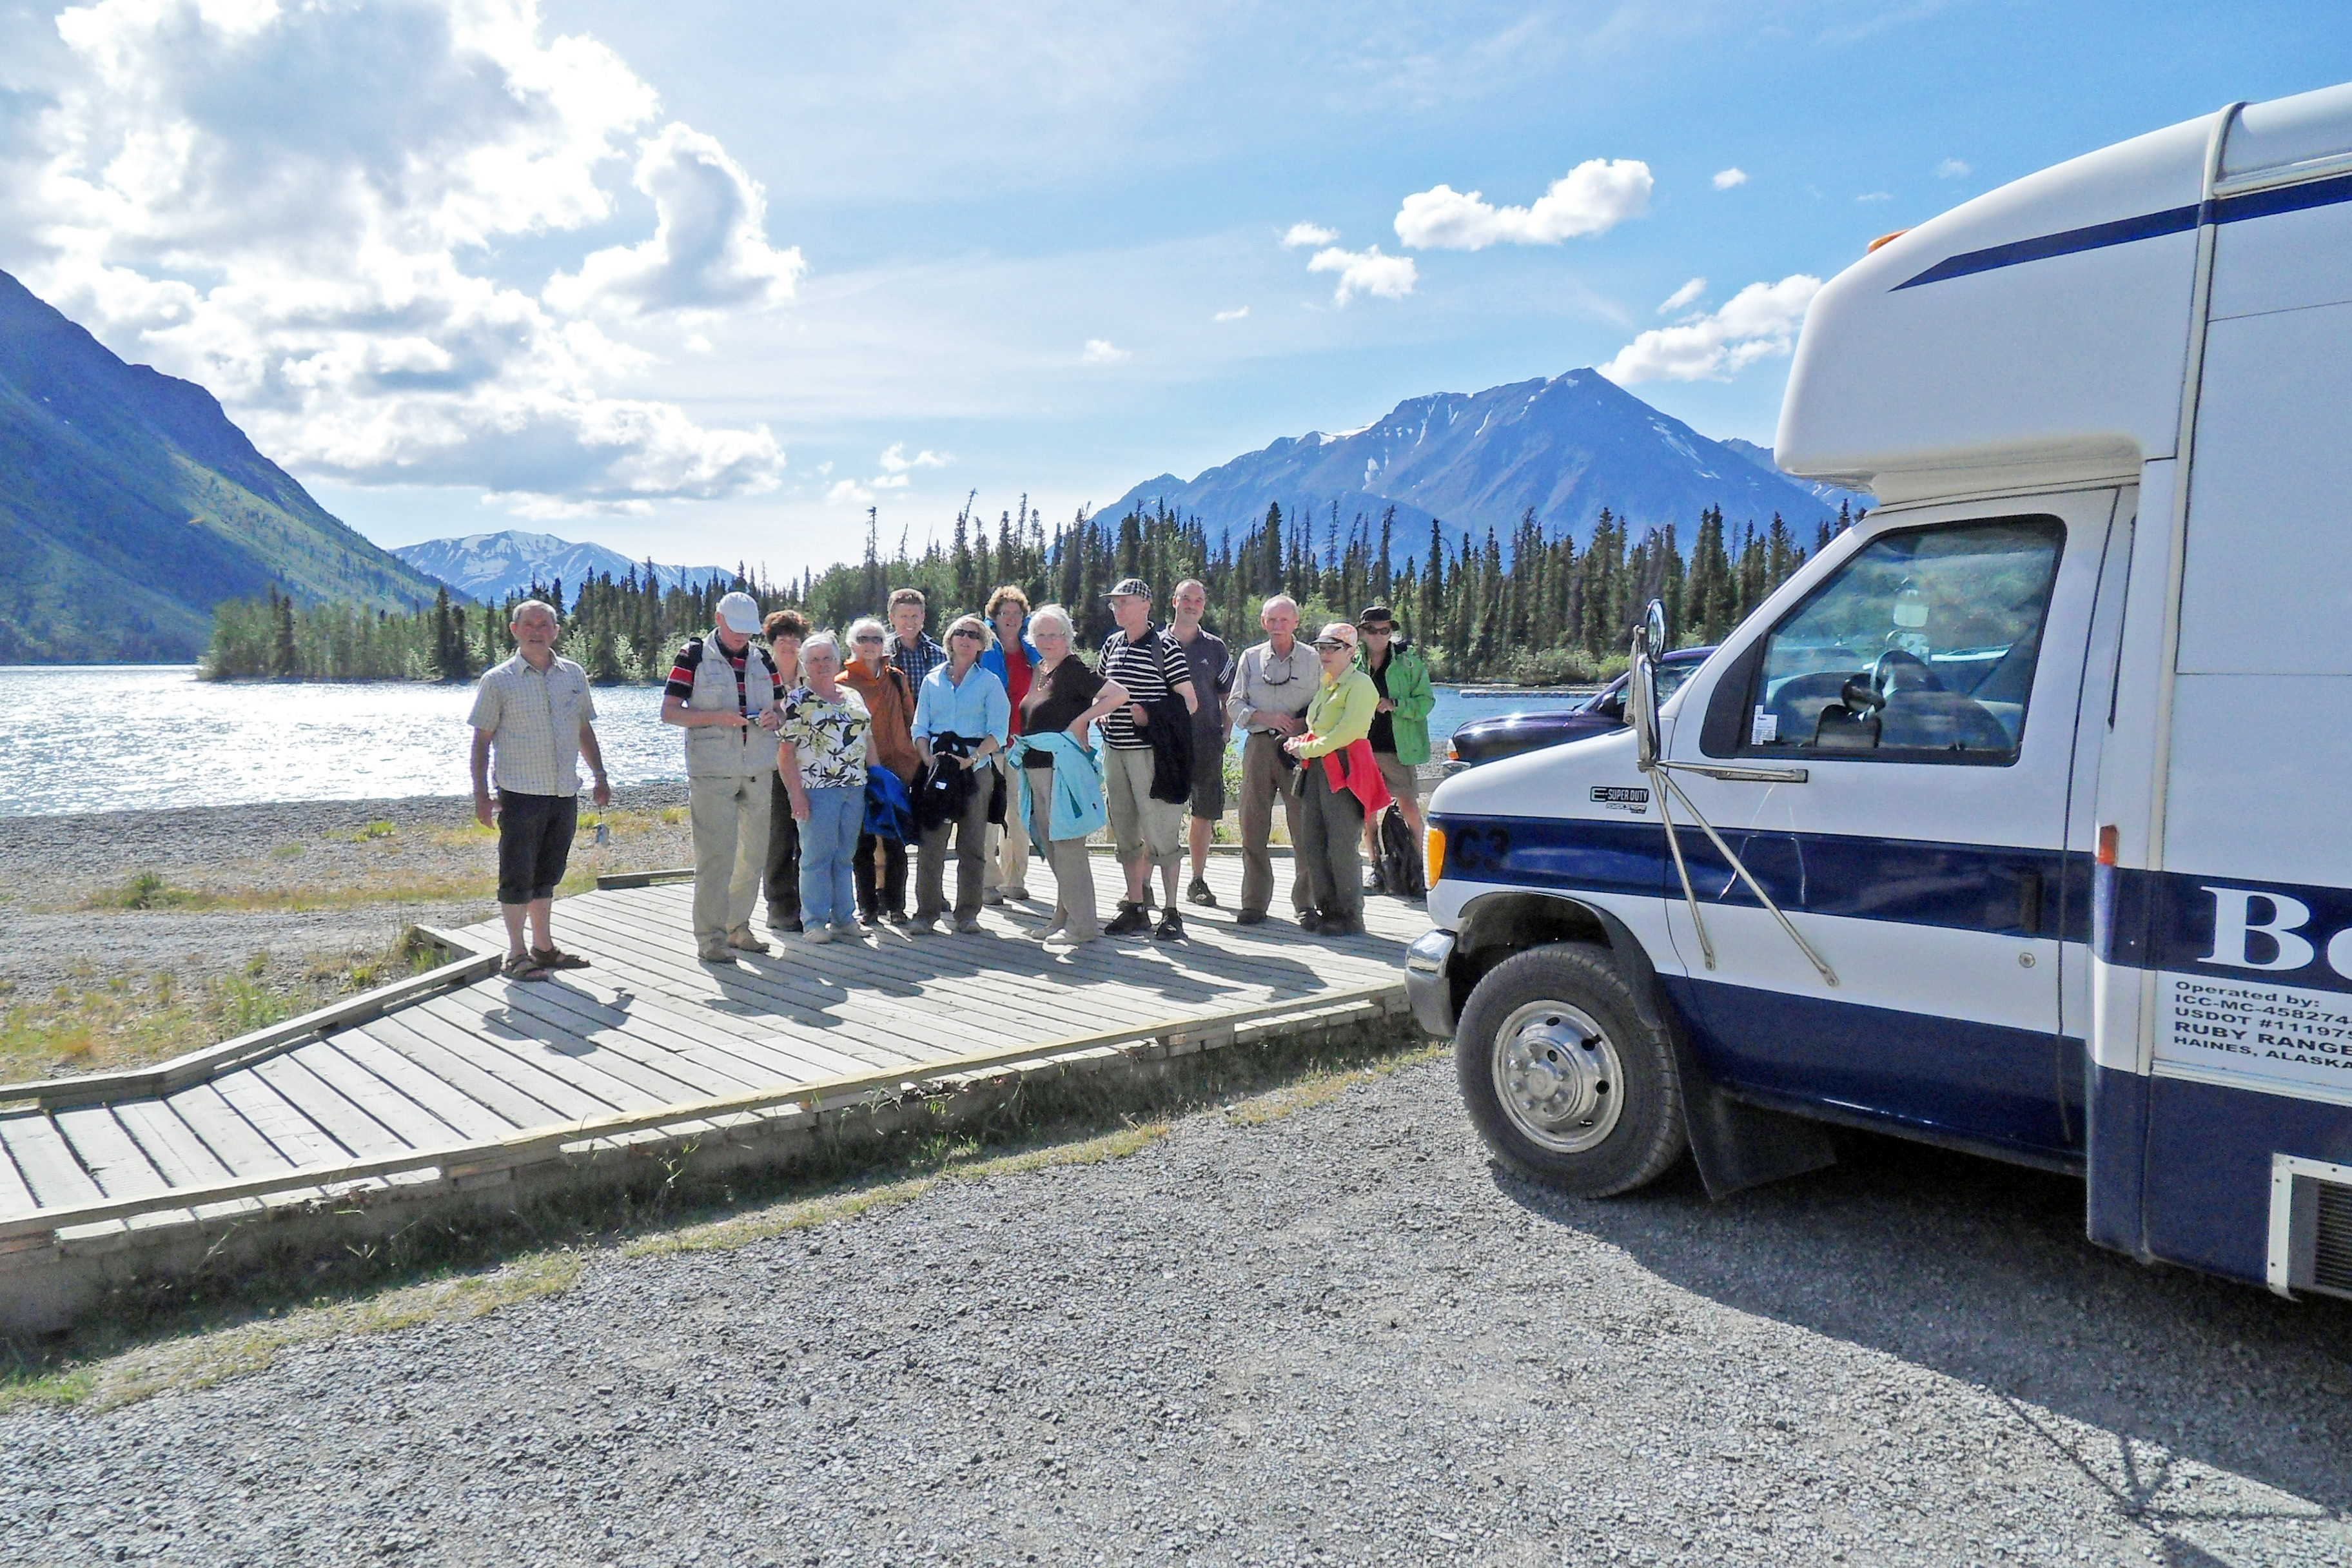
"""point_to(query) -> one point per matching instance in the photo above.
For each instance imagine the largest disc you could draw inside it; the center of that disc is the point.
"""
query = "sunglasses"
(966, 632)
(868, 638)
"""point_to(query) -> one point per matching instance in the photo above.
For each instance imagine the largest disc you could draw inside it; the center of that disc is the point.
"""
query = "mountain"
(1567, 446)
(130, 506)
(489, 567)
(1830, 494)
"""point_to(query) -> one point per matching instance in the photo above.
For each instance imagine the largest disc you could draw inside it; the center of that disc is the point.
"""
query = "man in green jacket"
(1400, 725)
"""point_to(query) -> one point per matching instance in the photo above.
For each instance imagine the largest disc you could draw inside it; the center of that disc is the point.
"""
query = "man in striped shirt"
(1145, 659)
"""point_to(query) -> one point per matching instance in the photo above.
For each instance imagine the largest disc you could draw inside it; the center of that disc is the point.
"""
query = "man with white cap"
(723, 692)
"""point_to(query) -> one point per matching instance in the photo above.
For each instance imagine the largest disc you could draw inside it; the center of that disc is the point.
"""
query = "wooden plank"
(15, 1197)
(303, 1143)
(400, 1116)
(686, 1054)
(463, 1038)
(569, 1054)
(113, 1158)
(442, 1099)
(225, 1130)
(348, 1125)
(50, 1169)
(428, 1054)
(182, 1157)
(540, 1145)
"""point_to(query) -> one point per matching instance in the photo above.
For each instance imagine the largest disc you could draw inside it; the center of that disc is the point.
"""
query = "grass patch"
(212, 1330)
(364, 832)
(96, 1026)
(1323, 1086)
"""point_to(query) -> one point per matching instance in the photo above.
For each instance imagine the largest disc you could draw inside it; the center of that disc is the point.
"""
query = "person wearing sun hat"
(1339, 784)
(723, 692)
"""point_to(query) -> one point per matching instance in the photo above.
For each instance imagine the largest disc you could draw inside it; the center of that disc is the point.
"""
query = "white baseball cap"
(740, 613)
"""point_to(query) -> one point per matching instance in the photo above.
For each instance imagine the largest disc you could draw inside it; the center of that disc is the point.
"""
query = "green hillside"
(130, 506)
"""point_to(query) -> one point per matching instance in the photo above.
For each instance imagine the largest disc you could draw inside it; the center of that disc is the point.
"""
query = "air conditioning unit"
(2311, 1226)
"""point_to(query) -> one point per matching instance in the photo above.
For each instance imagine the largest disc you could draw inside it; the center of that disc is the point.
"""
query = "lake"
(132, 737)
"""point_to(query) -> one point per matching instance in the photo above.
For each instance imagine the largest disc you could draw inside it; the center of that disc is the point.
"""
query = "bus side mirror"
(1642, 685)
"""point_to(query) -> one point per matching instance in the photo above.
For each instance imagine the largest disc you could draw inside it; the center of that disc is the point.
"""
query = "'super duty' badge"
(1632, 796)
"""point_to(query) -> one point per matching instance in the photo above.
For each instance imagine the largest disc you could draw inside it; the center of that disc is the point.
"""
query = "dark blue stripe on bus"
(1998, 889)
(2147, 226)
(2163, 919)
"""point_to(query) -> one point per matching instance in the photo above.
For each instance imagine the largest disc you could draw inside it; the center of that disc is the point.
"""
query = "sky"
(705, 280)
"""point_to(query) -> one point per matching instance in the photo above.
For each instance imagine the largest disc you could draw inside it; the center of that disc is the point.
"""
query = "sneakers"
(969, 925)
(1133, 920)
(1171, 927)
(715, 952)
(1310, 919)
(1378, 882)
(742, 940)
(818, 934)
(783, 925)
(1199, 893)
(869, 919)
(992, 896)
(1045, 933)
(848, 930)
(1250, 918)
(1017, 895)
(1340, 925)
(895, 917)
(927, 926)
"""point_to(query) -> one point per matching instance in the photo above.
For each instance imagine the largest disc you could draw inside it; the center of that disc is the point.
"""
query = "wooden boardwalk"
(458, 1078)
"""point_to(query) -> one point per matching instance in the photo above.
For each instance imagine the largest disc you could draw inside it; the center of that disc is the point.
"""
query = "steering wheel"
(1900, 670)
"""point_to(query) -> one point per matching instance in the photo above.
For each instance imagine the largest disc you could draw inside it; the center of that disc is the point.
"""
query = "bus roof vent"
(2311, 1226)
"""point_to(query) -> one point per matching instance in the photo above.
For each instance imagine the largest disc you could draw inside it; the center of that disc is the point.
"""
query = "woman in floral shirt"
(825, 742)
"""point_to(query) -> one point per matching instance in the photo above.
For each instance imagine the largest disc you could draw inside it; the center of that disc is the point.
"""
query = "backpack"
(1400, 861)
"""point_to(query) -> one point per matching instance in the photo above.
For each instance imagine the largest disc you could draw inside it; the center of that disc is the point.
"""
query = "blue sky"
(703, 281)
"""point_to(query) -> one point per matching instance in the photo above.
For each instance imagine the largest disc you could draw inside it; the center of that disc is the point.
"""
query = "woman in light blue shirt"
(961, 715)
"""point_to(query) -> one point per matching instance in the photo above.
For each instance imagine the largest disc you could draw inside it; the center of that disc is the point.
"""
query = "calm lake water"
(130, 737)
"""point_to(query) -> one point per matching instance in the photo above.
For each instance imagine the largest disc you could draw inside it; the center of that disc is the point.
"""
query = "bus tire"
(1563, 1079)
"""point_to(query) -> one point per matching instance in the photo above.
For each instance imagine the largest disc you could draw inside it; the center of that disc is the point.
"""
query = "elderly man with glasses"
(1273, 682)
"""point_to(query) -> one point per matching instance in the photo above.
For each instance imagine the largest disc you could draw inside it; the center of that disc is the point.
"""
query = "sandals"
(556, 958)
(522, 966)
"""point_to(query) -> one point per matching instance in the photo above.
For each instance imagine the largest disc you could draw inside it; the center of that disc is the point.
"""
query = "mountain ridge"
(489, 567)
(130, 505)
(1567, 446)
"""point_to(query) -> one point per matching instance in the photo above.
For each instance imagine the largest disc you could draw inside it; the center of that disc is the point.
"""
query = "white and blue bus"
(2020, 820)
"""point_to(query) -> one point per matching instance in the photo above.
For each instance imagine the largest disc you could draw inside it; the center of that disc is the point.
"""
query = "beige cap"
(1338, 634)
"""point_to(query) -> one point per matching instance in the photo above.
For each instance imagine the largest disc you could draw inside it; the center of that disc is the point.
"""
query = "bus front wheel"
(1563, 1079)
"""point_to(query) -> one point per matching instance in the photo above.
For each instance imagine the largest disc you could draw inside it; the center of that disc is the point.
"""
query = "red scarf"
(1358, 773)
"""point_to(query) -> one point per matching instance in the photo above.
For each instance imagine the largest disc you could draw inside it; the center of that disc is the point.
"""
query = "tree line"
(1529, 605)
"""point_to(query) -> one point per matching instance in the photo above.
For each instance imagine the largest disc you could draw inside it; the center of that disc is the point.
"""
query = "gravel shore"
(1337, 1334)
(299, 880)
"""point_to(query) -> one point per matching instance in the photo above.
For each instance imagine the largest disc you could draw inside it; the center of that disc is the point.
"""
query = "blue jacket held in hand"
(1078, 805)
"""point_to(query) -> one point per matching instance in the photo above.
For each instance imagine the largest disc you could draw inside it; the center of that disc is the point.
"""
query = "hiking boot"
(1310, 919)
(1133, 920)
(1199, 893)
(1171, 927)
(742, 940)
(714, 952)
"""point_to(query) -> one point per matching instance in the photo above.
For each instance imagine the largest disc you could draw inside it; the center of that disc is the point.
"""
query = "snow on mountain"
(1762, 458)
(1567, 446)
(489, 567)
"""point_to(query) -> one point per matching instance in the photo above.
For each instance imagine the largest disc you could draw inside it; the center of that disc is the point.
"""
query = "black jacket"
(1170, 734)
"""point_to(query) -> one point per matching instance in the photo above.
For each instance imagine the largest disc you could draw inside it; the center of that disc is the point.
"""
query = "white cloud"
(1300, 234)
(1591, 198)
(709, 249)
(1367, 271)
(847, 489)
(896, 461)
(1682, 296)
(1875, 196)
(300, 207)
(1726, 178)
(1758, 322)
(1233, 315)
(1100, 351)
(1954, 169)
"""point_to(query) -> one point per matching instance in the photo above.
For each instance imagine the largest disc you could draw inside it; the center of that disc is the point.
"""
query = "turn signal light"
(2107, 844)
(1433, 851)
(1886, 239)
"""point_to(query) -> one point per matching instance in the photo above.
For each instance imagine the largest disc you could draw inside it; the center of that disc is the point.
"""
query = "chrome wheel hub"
(1558, 1075)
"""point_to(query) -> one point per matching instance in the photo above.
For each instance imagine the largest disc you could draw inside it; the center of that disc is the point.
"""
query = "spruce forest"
(1527, 607)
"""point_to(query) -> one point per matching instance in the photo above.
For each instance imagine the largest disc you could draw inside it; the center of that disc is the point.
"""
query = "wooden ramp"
(459, 1076)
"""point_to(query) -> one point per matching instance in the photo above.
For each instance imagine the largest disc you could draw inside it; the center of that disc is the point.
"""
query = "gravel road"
(1340, 1335)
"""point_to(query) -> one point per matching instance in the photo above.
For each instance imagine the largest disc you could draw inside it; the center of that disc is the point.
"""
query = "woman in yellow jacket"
(1331, 813)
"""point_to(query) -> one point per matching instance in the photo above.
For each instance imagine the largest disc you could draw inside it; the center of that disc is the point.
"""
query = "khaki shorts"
(1403, 779)
(1137, 822)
